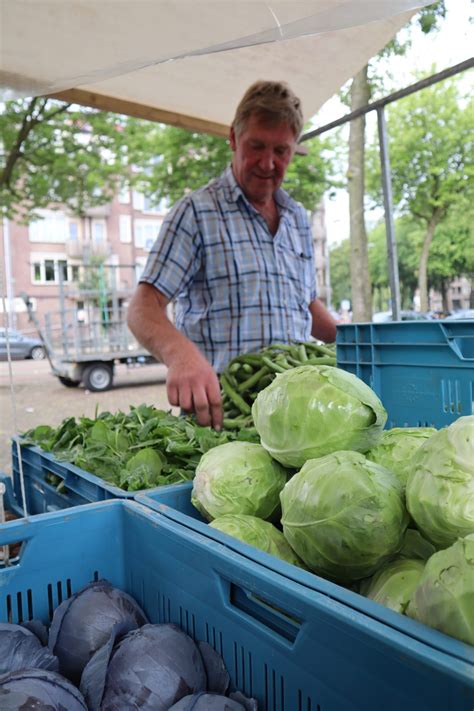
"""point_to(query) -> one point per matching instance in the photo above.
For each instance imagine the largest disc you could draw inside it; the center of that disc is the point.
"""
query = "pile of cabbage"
(389, 513)
(101, 654)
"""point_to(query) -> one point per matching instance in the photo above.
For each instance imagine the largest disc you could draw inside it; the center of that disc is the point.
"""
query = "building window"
(138, 200)
(124, 195)
(51, 227)
(125, 228)
(37, 272)
(98, 231)
(73, 231)
(62, 270)
(49, 271)
(146, 232)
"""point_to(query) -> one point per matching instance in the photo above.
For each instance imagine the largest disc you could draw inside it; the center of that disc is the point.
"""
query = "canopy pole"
(388, 209)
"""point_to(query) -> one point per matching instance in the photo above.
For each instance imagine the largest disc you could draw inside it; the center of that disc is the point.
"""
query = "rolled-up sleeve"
(175, 257)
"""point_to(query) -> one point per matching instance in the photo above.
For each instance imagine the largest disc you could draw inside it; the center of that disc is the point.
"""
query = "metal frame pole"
(388, 209)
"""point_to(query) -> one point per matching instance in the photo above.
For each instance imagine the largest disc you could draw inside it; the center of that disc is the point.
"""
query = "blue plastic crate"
(174, 502)
(80, 487)
(423, 371)
(292, 648)
(10, 502)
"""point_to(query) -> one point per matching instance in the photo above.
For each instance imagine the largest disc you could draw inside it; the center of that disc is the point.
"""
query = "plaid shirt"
(236, 287)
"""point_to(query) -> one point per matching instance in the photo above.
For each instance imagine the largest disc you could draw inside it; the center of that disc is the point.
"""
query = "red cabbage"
(21, 649)
(83, 624)
(41, 689)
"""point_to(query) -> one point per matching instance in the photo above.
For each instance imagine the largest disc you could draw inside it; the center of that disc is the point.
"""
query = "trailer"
(88, 336)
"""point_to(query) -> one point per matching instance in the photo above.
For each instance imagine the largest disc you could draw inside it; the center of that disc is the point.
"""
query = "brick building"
(49, 259)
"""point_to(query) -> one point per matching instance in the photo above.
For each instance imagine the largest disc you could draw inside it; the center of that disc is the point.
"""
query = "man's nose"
(267, 161)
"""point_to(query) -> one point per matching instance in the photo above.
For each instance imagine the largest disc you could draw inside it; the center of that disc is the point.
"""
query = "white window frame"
(145, 232)
(41, 258)
(51, 228)
(125, 228)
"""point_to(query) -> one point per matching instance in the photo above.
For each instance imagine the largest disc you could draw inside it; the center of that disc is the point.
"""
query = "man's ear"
(233, 142)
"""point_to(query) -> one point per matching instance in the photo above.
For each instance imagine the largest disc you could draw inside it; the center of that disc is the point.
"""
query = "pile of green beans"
(249, 373)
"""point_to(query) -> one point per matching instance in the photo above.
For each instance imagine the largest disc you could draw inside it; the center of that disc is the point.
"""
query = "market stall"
(279, 595)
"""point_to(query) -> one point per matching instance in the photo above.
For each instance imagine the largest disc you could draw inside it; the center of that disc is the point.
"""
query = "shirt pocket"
(298, 269)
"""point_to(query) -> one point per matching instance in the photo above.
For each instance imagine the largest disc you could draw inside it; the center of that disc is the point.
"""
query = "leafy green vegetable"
(396, 448)
(118, 447)
(440, 489)
(415, 546)
(393, 585)
(344, 515)
(258, 533)
(444, 597)
(238, 478)
(310, 411)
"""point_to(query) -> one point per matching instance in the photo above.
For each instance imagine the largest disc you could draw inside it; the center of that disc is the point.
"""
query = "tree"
(360, 93)
(360, 277)
(452, 250)
(56, 153)
(340, 272)
(432, 161)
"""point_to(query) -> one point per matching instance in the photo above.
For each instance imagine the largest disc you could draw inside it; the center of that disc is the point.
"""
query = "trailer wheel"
(68, 382)
(98, 376)
(37, 353)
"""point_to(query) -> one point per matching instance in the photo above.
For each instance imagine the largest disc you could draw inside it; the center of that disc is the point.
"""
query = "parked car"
(21, 346)
(386, 316)
(462, 313)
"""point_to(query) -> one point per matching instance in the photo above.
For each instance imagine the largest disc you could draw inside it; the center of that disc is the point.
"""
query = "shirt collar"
(234, 191)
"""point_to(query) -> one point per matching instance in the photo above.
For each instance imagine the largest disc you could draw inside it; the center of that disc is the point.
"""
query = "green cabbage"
(257, 533)
(238, 478)
(314, 410)
(396, 448)
(344, 515)
(444, 597)
(415, 546)
(440, 489)
(393, 585)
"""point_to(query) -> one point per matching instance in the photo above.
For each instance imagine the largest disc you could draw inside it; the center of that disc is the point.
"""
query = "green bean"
(232, 380)
(234, 396)
(236, 423)
(251, 358)
(266, 380)
(253, 380)
(321, 349)
(302, 353)
(233, 367)
(273, 366)
(295, 361)
(282, 361)
(323, 360)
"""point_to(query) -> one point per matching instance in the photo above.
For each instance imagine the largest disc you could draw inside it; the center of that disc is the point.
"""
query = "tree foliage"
(432, 161)
(56, 153)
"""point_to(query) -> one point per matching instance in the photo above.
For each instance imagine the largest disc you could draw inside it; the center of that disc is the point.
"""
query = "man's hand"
(193, 386)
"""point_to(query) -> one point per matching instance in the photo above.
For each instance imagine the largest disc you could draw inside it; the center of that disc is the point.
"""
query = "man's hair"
(273, 102)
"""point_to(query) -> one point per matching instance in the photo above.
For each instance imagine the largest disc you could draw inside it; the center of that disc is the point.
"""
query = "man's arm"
(324, 326)
(191, 382)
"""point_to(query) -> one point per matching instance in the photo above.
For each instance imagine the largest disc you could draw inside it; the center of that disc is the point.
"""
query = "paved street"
(39, 398)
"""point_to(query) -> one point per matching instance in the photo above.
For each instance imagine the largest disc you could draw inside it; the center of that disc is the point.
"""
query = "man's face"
(262, 153)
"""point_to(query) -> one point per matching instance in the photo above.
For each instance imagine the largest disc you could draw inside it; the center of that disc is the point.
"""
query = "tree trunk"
(360, 277)
(423, 265)
(444, 295)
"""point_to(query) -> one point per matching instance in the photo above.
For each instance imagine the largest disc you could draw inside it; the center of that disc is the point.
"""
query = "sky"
(451, 44)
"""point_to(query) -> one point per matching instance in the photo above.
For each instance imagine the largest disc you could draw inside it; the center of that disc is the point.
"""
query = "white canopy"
(184, 62)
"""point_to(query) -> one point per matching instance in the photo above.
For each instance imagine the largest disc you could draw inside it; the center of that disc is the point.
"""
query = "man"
(237, 258)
